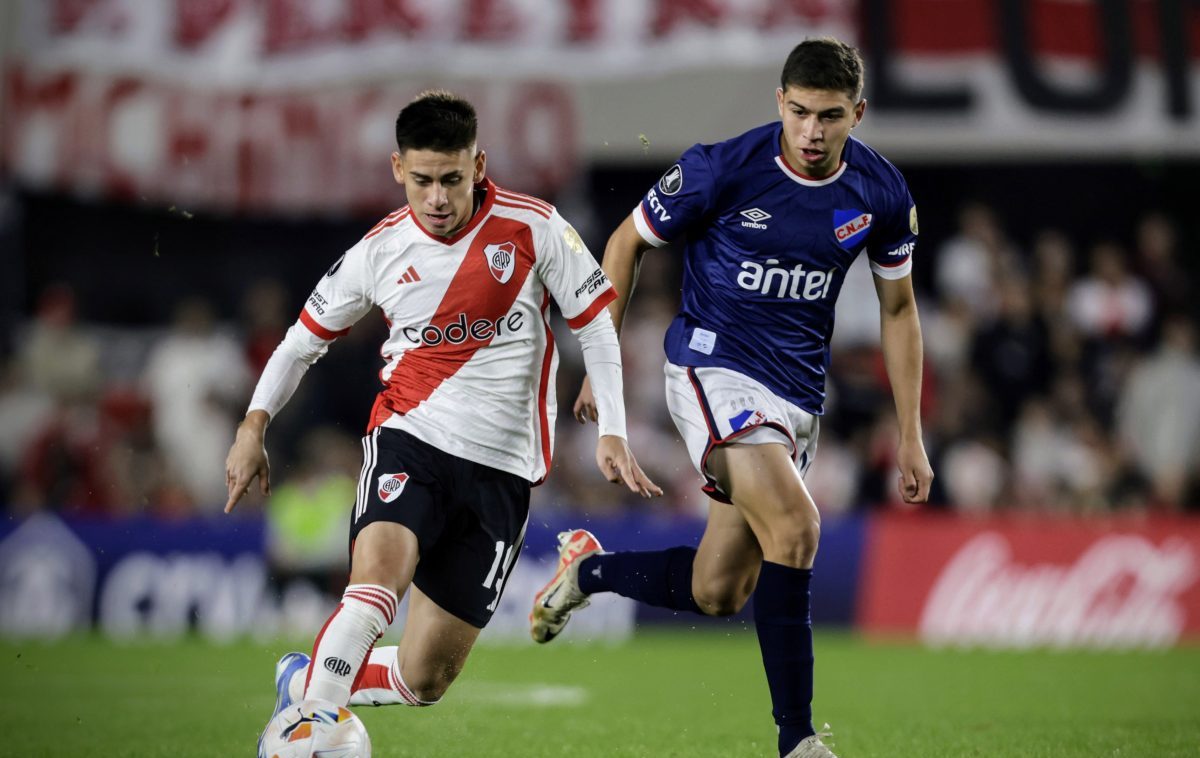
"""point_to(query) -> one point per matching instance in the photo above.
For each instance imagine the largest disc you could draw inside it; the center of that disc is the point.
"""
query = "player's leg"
(714, 579)
(725, 569)
(764, 484)
(398, 515)
(384, 560)
(456, 588)
(430, 656)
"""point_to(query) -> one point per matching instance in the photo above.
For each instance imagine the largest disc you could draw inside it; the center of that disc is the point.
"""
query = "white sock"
(341, 648)
(382, 683)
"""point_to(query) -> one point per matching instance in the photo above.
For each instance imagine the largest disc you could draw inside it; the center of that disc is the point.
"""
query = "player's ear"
(859, 110)
(397, 168)
(480, 166)
(779, 100)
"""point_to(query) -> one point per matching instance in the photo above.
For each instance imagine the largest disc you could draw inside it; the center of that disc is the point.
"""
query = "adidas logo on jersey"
(775, 281)
(409, 277)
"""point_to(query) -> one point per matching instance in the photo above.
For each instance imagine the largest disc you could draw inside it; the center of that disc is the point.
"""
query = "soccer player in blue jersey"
(768, 222)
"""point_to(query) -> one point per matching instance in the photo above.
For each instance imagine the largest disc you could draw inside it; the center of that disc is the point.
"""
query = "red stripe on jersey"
(390, 220)
(543, 388)
(900, 262)
(325, 334)
(506, 203)
(474, 293)
(585, 318)
(510, 195)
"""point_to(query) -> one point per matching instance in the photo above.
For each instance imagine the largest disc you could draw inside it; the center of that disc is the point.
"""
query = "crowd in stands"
(1059, 377)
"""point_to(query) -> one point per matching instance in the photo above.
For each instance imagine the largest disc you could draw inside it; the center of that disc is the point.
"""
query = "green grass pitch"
(678, 693)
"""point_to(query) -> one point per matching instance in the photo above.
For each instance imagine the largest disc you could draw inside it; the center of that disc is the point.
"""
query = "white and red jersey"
(470, 360)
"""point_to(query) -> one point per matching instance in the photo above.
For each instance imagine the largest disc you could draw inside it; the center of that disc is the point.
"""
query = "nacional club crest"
(391, 485)
(745, 419)
(850, 227)
(501, 259)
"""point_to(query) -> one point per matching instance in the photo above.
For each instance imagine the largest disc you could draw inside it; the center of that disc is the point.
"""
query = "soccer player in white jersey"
(464, 274)
(768, 223)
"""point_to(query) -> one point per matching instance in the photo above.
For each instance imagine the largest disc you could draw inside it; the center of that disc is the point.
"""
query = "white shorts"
(713, 406)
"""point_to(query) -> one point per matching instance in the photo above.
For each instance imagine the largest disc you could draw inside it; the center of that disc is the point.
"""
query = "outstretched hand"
(617, 463)
(916, 475)
(247, 459)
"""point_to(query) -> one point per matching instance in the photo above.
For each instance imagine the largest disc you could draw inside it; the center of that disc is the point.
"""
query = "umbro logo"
(755, 218)
(409, 277)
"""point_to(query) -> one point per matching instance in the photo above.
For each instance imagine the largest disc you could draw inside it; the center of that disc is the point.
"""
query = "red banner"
(1026, 581)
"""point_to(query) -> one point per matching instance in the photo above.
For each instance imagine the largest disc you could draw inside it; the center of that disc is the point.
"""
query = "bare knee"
(429, 683)
(793, 540)
(722, 596)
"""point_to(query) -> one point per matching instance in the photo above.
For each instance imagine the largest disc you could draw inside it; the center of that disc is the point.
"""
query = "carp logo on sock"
(500, 260)
(337, 666)
(391, 485)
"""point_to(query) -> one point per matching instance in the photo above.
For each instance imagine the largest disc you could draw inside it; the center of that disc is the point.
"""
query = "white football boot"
(285, 670)
(552, 606)
(812, 747)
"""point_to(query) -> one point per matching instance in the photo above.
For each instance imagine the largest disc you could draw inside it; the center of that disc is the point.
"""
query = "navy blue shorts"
(469, 518)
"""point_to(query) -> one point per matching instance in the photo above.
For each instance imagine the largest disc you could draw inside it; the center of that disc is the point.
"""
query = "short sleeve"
(571, 274)
(894, 237)
(342, 297)
(681, 197)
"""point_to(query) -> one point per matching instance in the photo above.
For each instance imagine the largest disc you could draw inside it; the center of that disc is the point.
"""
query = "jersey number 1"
(499, 572)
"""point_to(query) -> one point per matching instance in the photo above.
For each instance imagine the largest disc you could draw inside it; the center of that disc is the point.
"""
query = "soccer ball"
(315, 729)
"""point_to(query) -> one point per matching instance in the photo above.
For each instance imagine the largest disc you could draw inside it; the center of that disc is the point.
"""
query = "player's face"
(816, 125)
(440, 186)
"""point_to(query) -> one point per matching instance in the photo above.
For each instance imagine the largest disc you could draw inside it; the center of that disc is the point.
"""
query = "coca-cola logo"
(1123, 591)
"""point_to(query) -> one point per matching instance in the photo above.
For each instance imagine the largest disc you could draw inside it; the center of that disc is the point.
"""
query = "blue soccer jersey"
(766, 250)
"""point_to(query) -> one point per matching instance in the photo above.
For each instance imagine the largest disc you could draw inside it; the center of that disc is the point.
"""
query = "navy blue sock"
(660, 577)
(784, 624)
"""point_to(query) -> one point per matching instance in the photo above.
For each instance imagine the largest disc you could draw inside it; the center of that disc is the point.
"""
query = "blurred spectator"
(307, 511)
(63, 465)
(24, 410)
(1158, 418)
(1156, 248)
(967, 263)
(140, 479)
(974, 474)
(1011, 353)
(198, 384)
(948, 334)
(57, 356)
(1110, 303)
(265, 319)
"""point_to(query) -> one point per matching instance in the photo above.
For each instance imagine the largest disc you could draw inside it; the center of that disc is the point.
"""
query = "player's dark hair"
(824, 63)
(436, 120)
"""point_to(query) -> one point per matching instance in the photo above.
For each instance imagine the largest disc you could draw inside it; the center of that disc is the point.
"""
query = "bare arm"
(622, 257)
(902, 355)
